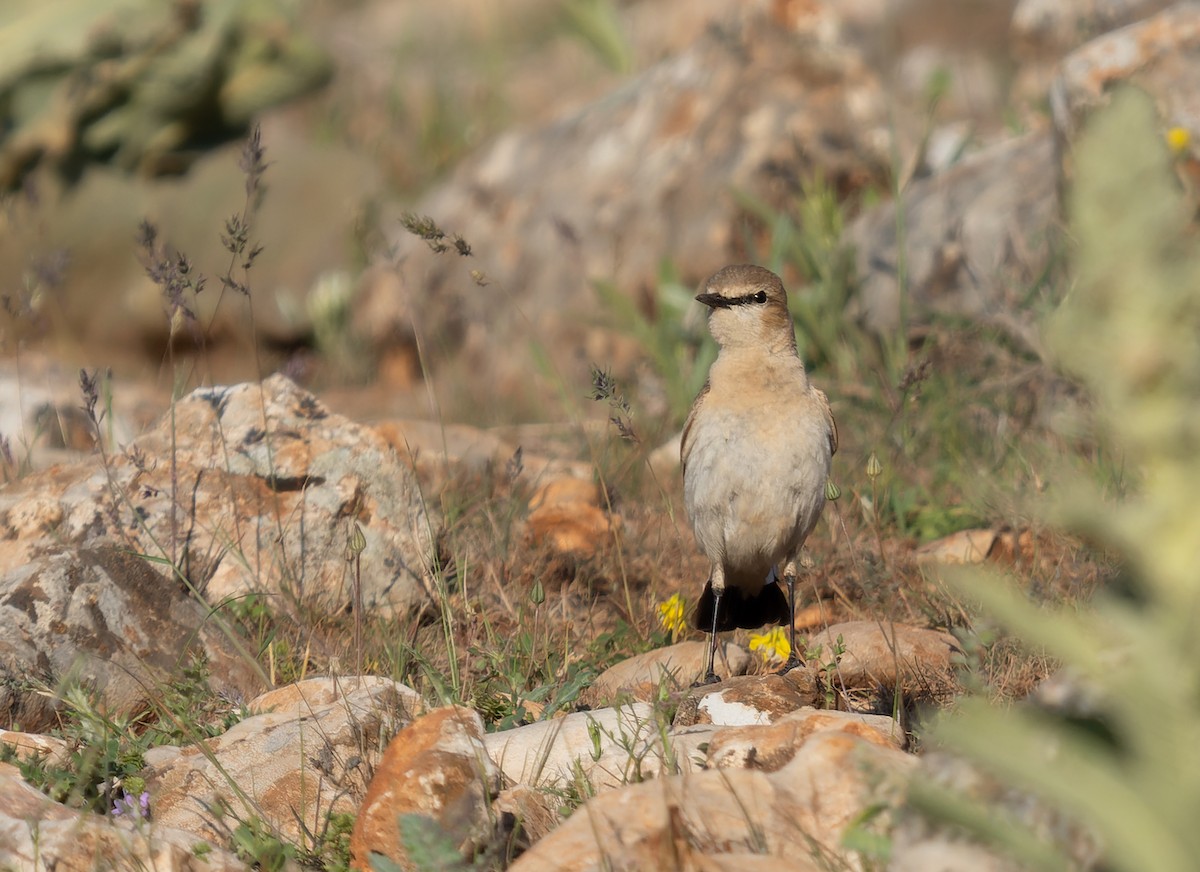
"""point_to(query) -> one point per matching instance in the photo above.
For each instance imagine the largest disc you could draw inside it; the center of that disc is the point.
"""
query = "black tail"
(768, 606)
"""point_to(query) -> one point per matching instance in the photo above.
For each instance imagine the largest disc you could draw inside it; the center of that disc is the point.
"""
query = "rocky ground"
(372, 553)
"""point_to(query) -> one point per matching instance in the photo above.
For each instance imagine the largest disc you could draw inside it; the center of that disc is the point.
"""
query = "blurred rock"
(921, 843)
(796, 815)
(138, 83)
(42, 419)
(676, 666)
(975, 237)
(1160, 55)
(565, 513)
(38, 833)
(436, 768)
(1051, 28)
(251, 488)
(651, 172)
(437, 451)
(289, 767)
(452, 75)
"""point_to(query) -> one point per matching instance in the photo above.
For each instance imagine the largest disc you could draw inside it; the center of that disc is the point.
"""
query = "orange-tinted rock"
(436, 768)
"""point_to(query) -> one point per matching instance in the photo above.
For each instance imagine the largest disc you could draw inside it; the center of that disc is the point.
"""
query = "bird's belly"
(754, 497)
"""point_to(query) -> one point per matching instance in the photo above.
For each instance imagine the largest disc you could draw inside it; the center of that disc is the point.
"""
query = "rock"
(38, 833)
(436, 768)
(533, 813)
(749, 699)
(41, 418)
(565, 513)
(607, 747)
(437, 450)
(796, 815)
(300, 698)
(258, 491)
(96, 615)
(1160, 55)
(771, 746)
(1051, 28)
(52, 750)
(975, 236)
(292, 767)
(676, 666)
(647, 174)
(922, 843)
(889, 658)
(1001, 546)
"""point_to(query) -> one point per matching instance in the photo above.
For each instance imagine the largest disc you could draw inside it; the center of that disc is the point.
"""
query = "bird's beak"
(713, 301)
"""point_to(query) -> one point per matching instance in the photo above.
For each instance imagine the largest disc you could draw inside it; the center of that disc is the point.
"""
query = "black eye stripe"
(747, 299)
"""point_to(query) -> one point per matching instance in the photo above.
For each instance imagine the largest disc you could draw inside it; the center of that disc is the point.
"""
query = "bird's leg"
(717, 580)
(789, 576)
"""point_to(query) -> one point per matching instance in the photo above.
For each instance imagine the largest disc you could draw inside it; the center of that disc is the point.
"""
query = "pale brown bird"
(756, 454)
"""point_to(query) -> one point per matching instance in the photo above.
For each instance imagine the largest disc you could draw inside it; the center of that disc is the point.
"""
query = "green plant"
(256, 843)
(1128, 331)
(679, 348)
(106, 756)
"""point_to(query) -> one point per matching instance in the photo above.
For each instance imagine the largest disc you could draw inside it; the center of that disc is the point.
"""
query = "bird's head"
(747, 307)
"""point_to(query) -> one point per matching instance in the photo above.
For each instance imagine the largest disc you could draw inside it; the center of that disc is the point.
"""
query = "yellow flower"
(670, 615)
(1178, 139)
(772, 645)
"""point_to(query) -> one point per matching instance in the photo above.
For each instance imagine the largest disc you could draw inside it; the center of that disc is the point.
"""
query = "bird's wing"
(823, 403)
(685, 440)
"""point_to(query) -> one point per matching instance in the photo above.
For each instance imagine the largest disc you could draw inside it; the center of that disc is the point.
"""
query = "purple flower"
(126, 804)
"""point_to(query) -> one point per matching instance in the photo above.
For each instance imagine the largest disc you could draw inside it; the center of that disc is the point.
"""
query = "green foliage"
(1130, 331)
(810, 239)
(106, 756)
(680, 350)
(255, 843)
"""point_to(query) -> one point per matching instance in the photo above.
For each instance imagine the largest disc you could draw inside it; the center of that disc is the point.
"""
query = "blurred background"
(487, 199)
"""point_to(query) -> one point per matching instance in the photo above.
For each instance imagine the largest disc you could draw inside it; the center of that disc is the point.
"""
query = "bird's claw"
(792, 663)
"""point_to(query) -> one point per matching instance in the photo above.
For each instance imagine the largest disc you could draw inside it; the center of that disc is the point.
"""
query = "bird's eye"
(760, 297)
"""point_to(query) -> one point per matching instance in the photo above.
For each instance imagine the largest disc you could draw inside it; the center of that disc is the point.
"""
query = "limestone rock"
(796, 815)
(889, 657)
(676, 666)
(770, 746)
(246, 489)
(749, 699)
(292, 766)
(52, 750)
(608, 747)
(437, 768)
(38, 833)
(98, 615)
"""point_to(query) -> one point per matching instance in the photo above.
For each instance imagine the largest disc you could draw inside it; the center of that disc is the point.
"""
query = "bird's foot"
(792, 663)
(710, 678)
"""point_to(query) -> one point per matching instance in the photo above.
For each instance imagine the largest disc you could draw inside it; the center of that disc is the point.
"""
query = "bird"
(756, 454)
